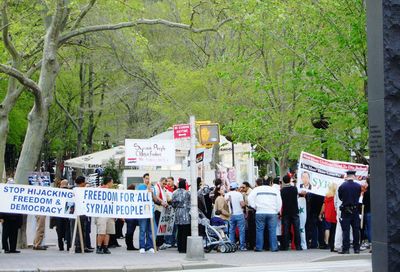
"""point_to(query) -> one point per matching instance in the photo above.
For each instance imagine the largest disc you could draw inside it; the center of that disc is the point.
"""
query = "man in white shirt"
(267, 202)
(236, 203)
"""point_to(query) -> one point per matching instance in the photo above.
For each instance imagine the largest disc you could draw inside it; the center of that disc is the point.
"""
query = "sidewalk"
(171, 260)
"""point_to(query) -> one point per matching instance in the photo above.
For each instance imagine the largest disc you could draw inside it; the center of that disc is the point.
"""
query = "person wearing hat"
(236, 203)
(349, 193)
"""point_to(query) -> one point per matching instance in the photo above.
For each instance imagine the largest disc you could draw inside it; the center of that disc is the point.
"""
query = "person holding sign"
(146, 237)
(11, 223)
(105, 226)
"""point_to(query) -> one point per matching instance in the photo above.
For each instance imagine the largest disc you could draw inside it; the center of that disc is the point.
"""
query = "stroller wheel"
(208, 249)
(223, 248)
(229, 247)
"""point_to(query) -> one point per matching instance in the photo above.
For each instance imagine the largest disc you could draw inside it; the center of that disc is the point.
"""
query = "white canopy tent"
(97, 159)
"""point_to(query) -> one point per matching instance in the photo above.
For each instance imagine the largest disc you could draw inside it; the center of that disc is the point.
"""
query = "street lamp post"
(321, 122)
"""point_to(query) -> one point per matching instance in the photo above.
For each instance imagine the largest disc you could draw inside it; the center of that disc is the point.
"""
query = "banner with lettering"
(149, 152)
(37, 200)
(315, 174)
(100, 202)
(167, 220)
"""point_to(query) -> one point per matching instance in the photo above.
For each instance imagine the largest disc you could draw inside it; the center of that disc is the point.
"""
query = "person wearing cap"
(236, 203)
(349, 193)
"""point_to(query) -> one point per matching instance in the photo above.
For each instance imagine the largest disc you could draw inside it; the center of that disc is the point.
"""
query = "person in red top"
(329, 213)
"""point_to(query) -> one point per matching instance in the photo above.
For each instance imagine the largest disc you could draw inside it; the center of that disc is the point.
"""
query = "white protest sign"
(167, 220)
(149, 152)
(37, 200)
(99, 202)
(317, 173)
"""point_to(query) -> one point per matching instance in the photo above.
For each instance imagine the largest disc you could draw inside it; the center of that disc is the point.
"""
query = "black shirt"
(289, 201)
(349, 193)
(367, 201)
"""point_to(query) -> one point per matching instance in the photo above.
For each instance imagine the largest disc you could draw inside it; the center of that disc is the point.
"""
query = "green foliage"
(111, 170)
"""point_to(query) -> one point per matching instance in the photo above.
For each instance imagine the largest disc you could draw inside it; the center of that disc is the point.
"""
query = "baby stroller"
(214, 237)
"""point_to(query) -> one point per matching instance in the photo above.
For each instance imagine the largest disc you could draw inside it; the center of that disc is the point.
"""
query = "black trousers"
(159, 239)
(10, 235)
(352, 220)
(287, 222)
(251, 230)
(183, 233)
(63, 232)
(131, 225)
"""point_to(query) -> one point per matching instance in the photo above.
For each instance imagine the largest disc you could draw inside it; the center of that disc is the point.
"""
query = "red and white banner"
(316, 173)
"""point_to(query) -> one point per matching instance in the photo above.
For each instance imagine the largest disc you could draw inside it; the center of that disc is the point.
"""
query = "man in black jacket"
(290, 214)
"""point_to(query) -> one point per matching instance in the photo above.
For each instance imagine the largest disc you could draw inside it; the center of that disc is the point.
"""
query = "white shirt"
(266, 200)
(235, 198)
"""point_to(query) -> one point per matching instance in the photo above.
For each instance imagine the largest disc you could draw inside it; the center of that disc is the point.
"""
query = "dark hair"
(217, 182)
(259, 181)
(216, 192)
(276, 180)
(305, 172)
(162, 179)
(107, 180)
(80, 180)
(182, 183)
(171, 178)
(146, 175)
(286, 179)
(131, 186)
(267, 181)
(247, 184)
(198, 182)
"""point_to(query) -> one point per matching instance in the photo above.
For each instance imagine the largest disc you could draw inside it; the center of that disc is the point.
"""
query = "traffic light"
(208, 134)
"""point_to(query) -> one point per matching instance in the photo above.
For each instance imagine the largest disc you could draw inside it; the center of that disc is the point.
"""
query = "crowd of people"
(275, 215)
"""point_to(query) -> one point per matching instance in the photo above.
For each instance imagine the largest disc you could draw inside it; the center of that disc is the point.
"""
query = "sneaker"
(106, 250)
(99, 250)
(164, 246)
(151, 250)
(142, 251)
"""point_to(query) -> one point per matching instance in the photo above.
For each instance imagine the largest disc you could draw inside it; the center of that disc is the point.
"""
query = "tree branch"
(27, 82)
(6, 36)
(83, 13)
(65, 110)
(89, 29)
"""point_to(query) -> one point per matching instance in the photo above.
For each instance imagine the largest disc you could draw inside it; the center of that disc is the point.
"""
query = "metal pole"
(195, 251)
(193, 184)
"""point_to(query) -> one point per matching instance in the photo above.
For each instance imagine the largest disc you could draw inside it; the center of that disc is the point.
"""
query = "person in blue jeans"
(236, 203)
(145, 238)
(267, 202)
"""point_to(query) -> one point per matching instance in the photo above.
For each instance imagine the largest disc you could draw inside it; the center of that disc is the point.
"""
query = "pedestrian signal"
(209, 134)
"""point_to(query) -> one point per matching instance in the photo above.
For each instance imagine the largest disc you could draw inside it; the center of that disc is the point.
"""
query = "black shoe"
(40, 248)
(6, 251)
(298, 248)
(323, 247)
(92, 248)
(132, 248)
(88, 250)
(356, 251)
(99, 250)
(344, 252)
(106, 250)
(78, 250)
(15, 251)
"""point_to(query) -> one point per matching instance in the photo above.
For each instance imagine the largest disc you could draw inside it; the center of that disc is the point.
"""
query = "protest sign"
(167, 220)
(317, 173)
(36, 200)
(99, 202)
(39, 178)
(149, 152)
